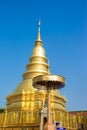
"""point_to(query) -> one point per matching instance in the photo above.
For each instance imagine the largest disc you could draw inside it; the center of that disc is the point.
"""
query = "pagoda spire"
(38, 40)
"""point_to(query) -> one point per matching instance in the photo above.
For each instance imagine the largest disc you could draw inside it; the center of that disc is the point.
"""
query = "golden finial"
(38, 37)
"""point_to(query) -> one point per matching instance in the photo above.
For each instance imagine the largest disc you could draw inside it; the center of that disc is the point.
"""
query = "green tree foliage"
(1, 109)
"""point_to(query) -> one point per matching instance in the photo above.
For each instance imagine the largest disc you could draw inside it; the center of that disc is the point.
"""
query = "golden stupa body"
(25, 96)
(25, 105)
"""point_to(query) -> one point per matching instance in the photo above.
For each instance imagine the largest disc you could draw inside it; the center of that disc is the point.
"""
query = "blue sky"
(64, 36)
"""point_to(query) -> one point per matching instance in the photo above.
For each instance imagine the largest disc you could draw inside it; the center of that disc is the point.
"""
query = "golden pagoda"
(25, 96)
(26, 107)
(25, 104)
